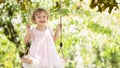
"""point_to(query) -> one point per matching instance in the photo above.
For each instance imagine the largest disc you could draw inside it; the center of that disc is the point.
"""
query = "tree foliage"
(104, 4)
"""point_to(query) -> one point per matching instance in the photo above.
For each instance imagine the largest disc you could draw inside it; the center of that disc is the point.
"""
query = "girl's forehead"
(40, 13)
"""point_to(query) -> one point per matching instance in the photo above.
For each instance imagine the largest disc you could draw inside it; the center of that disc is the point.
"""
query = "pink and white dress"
(42, 51)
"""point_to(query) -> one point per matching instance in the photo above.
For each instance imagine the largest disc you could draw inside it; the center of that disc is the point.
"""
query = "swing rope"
(28, 44)
(61, 44)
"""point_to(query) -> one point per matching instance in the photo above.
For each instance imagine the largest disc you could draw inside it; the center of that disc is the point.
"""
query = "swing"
(27, 60)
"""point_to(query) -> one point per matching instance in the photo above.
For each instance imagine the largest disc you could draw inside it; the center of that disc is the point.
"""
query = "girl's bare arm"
(56, 35)
(27, 36)
(57, 32)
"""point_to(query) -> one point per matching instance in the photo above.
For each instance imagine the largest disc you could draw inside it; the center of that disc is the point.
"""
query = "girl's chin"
(41, 24)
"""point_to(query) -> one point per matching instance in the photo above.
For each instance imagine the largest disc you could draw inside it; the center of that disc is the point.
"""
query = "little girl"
(42, 53)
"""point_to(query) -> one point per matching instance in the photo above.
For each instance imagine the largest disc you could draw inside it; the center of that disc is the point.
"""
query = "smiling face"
(41, 18)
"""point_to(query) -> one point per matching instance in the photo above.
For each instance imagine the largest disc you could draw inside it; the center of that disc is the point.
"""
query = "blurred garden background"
(91, 31)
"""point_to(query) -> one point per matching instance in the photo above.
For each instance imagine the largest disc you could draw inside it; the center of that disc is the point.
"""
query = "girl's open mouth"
(42, 21)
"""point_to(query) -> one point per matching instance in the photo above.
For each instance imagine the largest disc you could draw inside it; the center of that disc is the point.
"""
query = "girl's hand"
(26, 60)
(59, 26)
(28, 27)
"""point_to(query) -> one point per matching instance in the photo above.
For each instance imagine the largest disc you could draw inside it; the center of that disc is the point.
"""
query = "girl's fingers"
(60, 25)
(27, 26)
